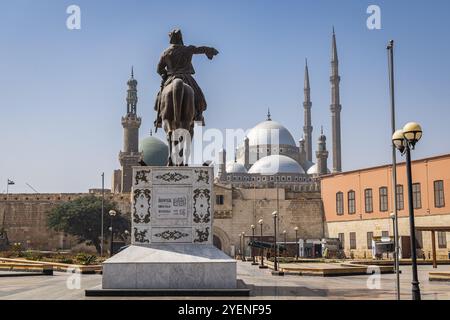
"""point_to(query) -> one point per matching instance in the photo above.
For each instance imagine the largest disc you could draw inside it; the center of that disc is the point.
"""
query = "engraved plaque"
(172, 205)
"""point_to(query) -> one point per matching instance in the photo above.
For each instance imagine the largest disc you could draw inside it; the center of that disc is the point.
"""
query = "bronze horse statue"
(180, 101)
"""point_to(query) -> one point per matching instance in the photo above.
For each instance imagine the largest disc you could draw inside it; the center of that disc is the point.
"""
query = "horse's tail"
(177, 92)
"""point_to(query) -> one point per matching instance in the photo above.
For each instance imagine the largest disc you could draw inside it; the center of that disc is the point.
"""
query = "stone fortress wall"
(25, 218)
(25, 215)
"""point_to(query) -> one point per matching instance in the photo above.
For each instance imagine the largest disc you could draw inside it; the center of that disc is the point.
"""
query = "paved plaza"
(261, 282)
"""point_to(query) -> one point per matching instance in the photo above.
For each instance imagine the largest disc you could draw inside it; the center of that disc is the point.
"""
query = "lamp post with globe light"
(112, 214)
(275, 258)
(243, 247)
(261, 250)
(405, 140)
(254, 263)
(297, 248)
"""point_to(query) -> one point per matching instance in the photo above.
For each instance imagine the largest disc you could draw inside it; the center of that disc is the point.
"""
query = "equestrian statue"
(180, 102)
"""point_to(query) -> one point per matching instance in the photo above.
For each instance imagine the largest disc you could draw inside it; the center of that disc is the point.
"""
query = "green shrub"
(85, 259)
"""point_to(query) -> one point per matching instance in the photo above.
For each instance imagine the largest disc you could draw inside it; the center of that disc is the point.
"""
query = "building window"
(341, 237)
(417, 198)
(439, 200)
(442, 240)
(369, 240)
(400, 198)
(339, 203)
(419, 239)
(385, 234)
(368, 198)
(383, 199)
(220, 200)
(351, 202)
(352, 240)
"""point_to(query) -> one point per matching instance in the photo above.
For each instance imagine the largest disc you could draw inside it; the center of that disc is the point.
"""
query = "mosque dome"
(315, 170)
(155, 151)
(276, 164)
(235, 167)
(306, 164)
(261, 134)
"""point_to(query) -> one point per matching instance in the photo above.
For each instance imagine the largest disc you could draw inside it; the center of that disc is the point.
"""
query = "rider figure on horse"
(176, 63)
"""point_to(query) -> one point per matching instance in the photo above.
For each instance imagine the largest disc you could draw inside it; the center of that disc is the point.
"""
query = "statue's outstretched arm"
(208, 51)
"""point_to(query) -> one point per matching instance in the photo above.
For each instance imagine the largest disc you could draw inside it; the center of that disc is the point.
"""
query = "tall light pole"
(103, 212)
(243, 246)
(261, 250)
(112, 213)
(296, 243)
(405, 140)
(275, 260)
(254, 263)
(390, 49)
(285, 242)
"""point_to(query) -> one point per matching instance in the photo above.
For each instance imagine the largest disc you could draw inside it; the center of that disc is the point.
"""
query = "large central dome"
(270, 133)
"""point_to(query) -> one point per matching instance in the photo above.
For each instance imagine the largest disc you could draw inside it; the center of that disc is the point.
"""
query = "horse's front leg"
(169, 140)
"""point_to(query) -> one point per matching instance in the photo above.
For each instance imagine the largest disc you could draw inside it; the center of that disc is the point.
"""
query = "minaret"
(307, 129)
(302, 150)
(335, 107)
(222, 172)
(247, 153)
(130, 155)
(322, 155)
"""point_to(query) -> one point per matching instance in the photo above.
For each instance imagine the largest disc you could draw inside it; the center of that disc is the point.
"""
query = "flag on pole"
(10, 182)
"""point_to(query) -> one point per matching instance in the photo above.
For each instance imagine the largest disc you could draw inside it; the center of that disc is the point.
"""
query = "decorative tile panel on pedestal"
(172, 205)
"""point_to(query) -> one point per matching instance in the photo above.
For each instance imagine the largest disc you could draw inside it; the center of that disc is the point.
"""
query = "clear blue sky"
(62, 92)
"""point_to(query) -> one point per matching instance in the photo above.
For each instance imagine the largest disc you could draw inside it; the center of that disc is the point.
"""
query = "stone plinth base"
(170, 266)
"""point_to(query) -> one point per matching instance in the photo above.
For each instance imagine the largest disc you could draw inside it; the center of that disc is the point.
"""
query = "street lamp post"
(254, 263)
(261, 250)
(296, 243)
(390, 49)
(405, 140)
(285, 242)
(275, 258)
(112, 213)
(103, 212)
(393, 217)
(275, 215)
(243, 247)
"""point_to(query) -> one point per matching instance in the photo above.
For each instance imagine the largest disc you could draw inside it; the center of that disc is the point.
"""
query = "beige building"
(237, 209)
(358, 205)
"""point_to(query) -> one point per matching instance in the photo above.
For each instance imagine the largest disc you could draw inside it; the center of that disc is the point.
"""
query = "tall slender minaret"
(130, 155)
(335, 107)
(322, 155)
(307, 128)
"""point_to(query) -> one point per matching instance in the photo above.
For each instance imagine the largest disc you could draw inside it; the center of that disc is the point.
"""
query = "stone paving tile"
(263, 284)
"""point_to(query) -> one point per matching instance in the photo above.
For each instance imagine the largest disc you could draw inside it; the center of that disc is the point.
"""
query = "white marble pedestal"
(172, 226)
(170, 267)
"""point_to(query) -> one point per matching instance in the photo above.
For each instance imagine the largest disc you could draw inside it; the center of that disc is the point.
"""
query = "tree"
(82, 218)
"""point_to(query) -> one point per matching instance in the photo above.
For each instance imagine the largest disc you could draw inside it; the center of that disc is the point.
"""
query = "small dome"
(155, 151)
(275, 164)
(306, 165)
(314, 170)
(235, 167)
(262, 134)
